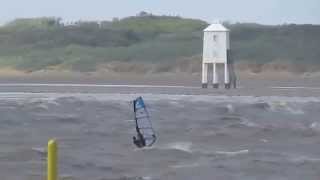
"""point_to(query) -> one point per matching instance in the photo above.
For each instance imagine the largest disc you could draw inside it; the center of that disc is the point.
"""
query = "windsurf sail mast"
(143, 123)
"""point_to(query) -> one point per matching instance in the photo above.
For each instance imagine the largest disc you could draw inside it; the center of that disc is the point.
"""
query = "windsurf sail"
(143, 123)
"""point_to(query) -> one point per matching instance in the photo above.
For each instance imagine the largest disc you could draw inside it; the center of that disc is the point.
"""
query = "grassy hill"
(163, 41)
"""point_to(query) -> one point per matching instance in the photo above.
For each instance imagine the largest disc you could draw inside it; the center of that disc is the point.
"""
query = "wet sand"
(265, 84)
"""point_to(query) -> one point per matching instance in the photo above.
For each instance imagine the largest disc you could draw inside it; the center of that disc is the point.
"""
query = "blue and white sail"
(143, 123)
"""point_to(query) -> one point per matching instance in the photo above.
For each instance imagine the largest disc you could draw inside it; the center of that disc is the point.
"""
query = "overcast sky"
(259, 11)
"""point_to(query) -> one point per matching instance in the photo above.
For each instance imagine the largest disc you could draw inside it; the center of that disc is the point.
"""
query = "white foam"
(284, 106)
(230, 108)
(156, 97)
(185, 165)
(182, 146)
(295, 111)
(233, 153)
(304, 159)
(248, 123)
(315, 126)
(129, 120)
(40, 150)
(146, 177)
(294, 87)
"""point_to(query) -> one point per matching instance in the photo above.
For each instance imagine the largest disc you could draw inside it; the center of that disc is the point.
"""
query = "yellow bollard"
(52, 160)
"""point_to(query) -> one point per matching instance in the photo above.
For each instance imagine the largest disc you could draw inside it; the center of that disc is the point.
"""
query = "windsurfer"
(145, 133)
(140, 141)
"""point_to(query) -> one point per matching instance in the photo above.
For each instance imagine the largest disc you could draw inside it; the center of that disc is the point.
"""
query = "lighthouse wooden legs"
(204, 75)
(226, 77)
(215, 78)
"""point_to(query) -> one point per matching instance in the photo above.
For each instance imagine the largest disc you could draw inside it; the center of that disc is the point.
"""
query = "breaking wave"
(182, 146)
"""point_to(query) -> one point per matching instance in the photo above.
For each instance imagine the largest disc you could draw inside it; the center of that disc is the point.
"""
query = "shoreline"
(122, 89)
(249, 84)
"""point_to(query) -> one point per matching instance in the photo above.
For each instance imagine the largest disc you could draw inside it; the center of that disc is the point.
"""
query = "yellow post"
(52, 160)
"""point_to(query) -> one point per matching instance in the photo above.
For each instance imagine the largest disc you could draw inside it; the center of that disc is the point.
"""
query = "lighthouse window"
(215, 38)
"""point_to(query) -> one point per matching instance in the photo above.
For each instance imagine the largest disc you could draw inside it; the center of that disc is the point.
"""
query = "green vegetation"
(295, 45)
(41, 43)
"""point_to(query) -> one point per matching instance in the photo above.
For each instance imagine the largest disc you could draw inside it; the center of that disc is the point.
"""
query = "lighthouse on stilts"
(216, 50)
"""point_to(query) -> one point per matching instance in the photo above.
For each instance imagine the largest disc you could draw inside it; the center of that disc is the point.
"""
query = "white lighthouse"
(216, 47)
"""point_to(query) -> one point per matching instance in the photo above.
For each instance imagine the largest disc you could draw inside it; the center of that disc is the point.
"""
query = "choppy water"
(199, 137)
